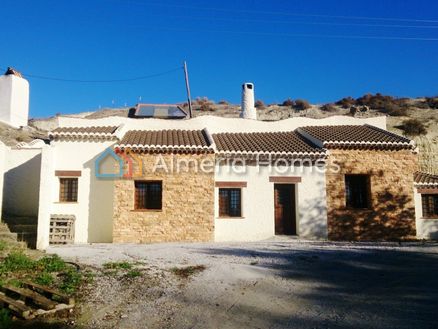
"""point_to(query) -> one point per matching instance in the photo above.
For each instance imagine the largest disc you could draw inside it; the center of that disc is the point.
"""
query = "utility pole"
(189, 98)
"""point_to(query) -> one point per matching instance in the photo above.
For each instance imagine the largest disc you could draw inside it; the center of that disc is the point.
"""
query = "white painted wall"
(46, 192)
(258, 203)
(14, 100)
(21, 182)
(426, 228)
(94, 209)
(3, 149)
(217, 124)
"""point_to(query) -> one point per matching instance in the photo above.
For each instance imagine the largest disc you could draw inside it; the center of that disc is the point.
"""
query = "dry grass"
(11, 136)
(428, 154)
(188, 271)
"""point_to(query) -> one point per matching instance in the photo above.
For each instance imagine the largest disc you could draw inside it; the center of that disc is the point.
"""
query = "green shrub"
(396, 110)
(413, 127)
(204, 104)
(52, 263)
(117, 266)
(329, 108)
(288, 102)
(3, 245)
(353, 110)
(206, 107)
(71, 281)
(15, 283)
(5, 319)
(385, 104)
(185, 272)
(44, 278)
(133, 274)
(377, 101)
(346, 102)
(259, 104)
(88, 276)
(432, 102)
(16, 261)
(301, 105)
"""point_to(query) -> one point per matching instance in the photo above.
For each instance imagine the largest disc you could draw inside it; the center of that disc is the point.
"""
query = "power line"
(241, 11)
(306, 35)
(267, 21)
(100, 81)
(295, 22)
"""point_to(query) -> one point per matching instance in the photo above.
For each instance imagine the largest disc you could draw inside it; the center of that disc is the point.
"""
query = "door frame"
(294, 203)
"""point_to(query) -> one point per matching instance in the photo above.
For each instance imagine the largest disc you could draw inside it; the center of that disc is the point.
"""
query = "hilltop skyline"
(319, 51)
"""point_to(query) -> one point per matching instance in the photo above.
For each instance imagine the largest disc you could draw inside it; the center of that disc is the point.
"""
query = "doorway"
(285, 217)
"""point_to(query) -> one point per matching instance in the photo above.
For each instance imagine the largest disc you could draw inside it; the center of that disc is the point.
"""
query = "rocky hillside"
(414, 118)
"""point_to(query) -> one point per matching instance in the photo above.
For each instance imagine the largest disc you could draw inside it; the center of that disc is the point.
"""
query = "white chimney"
(248, 109)
(14, 99)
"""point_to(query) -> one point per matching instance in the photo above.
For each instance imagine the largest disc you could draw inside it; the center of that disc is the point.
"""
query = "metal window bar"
(148, 195)
(230, 202)
(68, 189)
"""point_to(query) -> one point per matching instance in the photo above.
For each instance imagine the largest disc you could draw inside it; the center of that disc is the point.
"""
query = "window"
(357, 189)
(430, 205)
(230, 202)
(148, 195)
(68, 190)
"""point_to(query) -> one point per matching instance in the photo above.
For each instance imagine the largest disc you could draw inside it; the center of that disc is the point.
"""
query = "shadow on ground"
(360, 288)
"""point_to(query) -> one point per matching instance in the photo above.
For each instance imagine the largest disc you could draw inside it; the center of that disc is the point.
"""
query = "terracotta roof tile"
(265, 143)
(92, 131)
(354, 135)
(166, 140)
(425, 179)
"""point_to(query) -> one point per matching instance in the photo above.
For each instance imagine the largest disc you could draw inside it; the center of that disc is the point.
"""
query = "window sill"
(359, 209)
(230, 217)
(147, 210)
(426, 218)
(66, 202)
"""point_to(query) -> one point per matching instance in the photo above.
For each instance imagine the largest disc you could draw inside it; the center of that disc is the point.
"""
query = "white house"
(77, 143)
(208, 178)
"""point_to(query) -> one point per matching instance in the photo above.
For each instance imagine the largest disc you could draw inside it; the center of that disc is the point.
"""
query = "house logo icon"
(122, 160)
(105, 156)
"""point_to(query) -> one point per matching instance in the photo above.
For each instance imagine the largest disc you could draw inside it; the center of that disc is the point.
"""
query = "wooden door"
(284, 196)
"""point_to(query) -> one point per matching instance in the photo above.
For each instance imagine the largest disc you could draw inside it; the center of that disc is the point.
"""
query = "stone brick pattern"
(187, 203)
(392, 212)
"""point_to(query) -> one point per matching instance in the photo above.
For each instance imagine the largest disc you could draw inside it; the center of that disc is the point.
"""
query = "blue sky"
(317, 50)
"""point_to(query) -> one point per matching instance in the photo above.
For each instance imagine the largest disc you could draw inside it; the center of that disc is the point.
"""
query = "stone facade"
(187, 202)
(391, 215)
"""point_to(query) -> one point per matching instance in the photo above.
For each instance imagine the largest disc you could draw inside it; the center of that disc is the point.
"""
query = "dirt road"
(272, 284)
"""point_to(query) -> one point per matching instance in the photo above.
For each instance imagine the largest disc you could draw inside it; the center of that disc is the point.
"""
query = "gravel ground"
(280, 283)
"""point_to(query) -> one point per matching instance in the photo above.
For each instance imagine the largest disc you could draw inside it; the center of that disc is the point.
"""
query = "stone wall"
(392, 211)
(187, 203)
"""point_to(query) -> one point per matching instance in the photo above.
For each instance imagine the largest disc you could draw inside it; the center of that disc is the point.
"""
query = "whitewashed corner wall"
(46, 191)
(3, 149)
(94, 209)
(258, 220)
(21, 182)
(427, 228)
